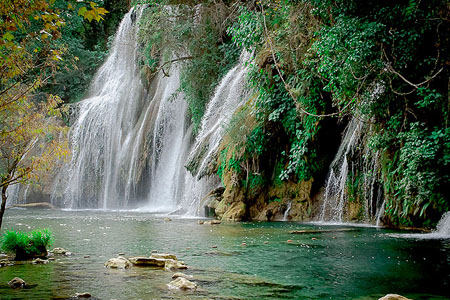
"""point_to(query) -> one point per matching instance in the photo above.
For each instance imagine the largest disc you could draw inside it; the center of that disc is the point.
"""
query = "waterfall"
(286, 212)
(229, 95)
(125, 138)
(443, 227)
(335, 197)
(354, 165)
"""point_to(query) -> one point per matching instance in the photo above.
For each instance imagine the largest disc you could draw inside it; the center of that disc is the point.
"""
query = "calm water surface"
(366, 263)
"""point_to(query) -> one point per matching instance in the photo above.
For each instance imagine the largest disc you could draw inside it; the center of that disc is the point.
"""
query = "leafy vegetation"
(27, 245)
(31, 53)
(320, 63)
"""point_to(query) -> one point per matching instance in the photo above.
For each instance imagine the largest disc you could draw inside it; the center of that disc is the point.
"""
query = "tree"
(28, 59)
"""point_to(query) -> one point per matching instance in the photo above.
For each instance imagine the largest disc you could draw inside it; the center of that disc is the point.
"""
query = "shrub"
(27, 245)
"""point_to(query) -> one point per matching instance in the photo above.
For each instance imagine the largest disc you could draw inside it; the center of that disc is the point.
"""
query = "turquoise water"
(366, 263)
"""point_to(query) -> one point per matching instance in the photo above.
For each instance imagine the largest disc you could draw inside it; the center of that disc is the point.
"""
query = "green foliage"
(28, 244)
(197, 40)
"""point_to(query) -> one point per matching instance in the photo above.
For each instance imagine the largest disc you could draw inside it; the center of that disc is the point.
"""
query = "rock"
(121, 254)
(68, 253)
(51, 258)
(164, 256)
(182, 284)
(5, 262)
(154, 251)
(167, 219)
(244, 244)
(171, 265)
(212, 222)
(59, 251)
(235, 212)
(266, 242)
(3, 256)
(119, 262)
(214, 246)
(393, 297)
(39, 261)
(200, 222)
(289, 241)
(142, 261)
(86, 256)
(37, 205)
(17, 283)
(182, 275)
(83, 295)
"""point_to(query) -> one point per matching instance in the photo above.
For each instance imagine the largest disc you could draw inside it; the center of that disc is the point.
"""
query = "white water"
(229, 95)
(286, 212)
(126, 141)
(332, 209)
(442, 230)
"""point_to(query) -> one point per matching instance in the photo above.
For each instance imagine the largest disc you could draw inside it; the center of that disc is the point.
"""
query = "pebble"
(313, 239)
(87, 256)
(266, 242)
(121, 254)
(83, 295)
(154, 251)
(289, 241)
(214, 247)
(244, 244)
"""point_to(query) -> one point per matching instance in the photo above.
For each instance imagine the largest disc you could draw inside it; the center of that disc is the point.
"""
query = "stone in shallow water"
(164, 256)
(39, 261)
(182, 284)
(174, 265)
(17, 283)
(182, 275)
(143, 261)
(83, 295)
(119, 262)
(393, 297)
(60, 251)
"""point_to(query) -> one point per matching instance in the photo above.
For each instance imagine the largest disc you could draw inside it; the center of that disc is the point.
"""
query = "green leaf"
(8, 36)
(82, 11)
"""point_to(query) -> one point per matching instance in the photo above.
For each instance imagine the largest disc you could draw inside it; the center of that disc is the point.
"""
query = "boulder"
(60, 251)
(164, 256)
(393, 297)
(39, 261)
(142, 261)
(182, 284)
(17, 283)
(181, 275)
(172, 264)
(5, 262)
(119, 262)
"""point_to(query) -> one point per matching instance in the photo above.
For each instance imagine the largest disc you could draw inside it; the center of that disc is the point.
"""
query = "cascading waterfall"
(229, 95)
(124, 136)
(335, 197)
(130, 146)
(336, 190)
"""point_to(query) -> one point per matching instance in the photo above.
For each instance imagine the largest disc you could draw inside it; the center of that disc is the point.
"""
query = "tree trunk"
(3, 206)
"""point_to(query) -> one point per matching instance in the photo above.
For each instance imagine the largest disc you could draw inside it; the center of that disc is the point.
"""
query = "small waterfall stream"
(230, 94)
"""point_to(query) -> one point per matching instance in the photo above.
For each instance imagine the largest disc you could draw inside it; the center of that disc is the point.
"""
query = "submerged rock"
(142, 261)
(17, 283)
(60, 251)
(393, 297)
(164, 256)
(39, 261)
(172, 264)
(119, 262)
(5, 262)
(212, 222)
(181, 275)
(182, 284)
(83, 295)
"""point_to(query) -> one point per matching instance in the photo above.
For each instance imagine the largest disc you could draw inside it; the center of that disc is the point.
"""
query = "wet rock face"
(17, 283)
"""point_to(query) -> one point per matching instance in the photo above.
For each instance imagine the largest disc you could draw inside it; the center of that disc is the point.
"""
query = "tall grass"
(27, 245)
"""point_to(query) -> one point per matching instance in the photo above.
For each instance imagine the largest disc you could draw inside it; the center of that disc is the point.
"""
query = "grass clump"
(27, 245)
